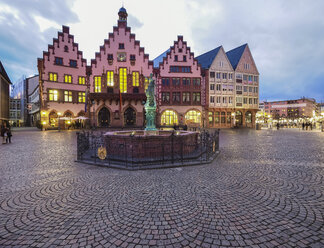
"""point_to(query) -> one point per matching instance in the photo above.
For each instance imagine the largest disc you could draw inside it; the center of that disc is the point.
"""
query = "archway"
(248, 117)
(103, 117)
(169, 118)
(129, 117)
(52, 118)
(193, 116)
(238, 118)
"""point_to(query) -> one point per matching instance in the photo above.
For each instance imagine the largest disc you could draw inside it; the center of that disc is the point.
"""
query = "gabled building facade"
(220, 83)
(4, 94)
(246, 86)
(180, 87)
(119, 76)
(62, 81)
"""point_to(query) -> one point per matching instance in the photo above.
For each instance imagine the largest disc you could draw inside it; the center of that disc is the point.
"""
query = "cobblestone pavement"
(264, 190)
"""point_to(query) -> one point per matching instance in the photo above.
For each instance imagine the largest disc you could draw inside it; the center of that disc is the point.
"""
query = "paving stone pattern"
(264, 190)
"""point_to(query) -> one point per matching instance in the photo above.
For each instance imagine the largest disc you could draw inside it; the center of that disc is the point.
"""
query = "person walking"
(278, 125)
(3, 132)
(303, 125)
(9, 135)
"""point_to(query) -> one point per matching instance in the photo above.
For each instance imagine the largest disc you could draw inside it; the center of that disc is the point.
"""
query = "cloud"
(134, 22)
(286, 39)
(24, 26)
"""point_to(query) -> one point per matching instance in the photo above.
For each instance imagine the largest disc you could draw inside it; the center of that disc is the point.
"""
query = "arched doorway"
(129, 117)
(193, 116)
(103, 117)
(52, 118)
(248, 118)
(238, 118)
(169, 118)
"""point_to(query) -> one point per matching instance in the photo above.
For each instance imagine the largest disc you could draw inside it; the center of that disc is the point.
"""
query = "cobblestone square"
(265, 189)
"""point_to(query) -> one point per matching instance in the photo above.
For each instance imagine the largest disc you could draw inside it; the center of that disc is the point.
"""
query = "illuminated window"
(169, 118)
(81, 80)
(222, 117)
(210, 118)
(67, 96)
(110, 78)
(193, 116)
(123, 80)
(53, 77)
(146, 83)
(81, 97)
(68, 79)
(97, 81)
(135, 78)
(53, 95)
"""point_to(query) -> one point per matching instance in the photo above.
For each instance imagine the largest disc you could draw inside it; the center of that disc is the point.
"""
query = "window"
(186, 69)
(224, 99)
(218, 75)
(184, 58)
(132, 57)
(175, 57)
(53, 77)
(186, 97)
(165, 81)
(67, 96)
(53, 95)
(210, 118)
(58, 61)
(255, 90)
(228, 117)
(255, 79)
(245, 77)
(196, 97)
(212, 87)
(110, 56)
(81, 97)
(110, 78)
(239, 99)
(224, 88)
(81, 80)
(185, 81)
(73, 63)
(193, 116)
(175, 68)
(230, 99)
(175, 81)
(251, 89)
(238, 76)
(121, 46)
(218, 99)
(218, 87)
(212, 74)
(245, 88)
(169, 118)
(222, 117)
(217, 117)
(244, 100)
(246, 66)
(66, 49)
(123, 80)
(221, 64)
(250, 78)
(135, 78)
(176, 97)
(180, 50)
(165, 97)
(250, 100)
(68, 79)
(230, 76)
(255, 100)
(212, 99)
(196, 81)
(97, 82)
(146, 83)
(224, 75)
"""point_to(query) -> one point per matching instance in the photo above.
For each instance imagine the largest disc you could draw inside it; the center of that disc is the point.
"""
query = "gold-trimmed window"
(169, 118)
(52, 77)
(81, 80)
(67, 96)
(135, 78)
(68, 79)
(193, 116)
(53, 95)
(97, 83)
(110, 78)
(123, 80)
(81, 97)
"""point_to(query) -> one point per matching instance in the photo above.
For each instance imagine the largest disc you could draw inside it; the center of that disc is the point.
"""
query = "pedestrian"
(3, 132)
(303, 125)
(278, 125)
(311, 126)
(9, 135)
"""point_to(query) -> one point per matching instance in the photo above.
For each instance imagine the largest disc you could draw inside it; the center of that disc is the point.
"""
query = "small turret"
(122, 14)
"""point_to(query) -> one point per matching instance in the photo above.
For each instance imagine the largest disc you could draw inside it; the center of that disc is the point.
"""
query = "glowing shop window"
(67, 96)
(81, 80)
(135, 78)
(68, 79)
(110, 78)
(123, 80)
(53, 77)
(81, 97)
(53, 95)
(193, 116)
(169, 118)
(97, 81)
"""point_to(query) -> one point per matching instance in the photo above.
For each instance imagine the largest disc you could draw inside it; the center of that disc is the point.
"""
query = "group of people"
(6, 133)
(307, 125)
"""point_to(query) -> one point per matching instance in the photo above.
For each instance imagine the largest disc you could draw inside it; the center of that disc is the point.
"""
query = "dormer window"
(180, 50)
(175, 57)
(58, 61)
(66, 49)
(121, 46)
